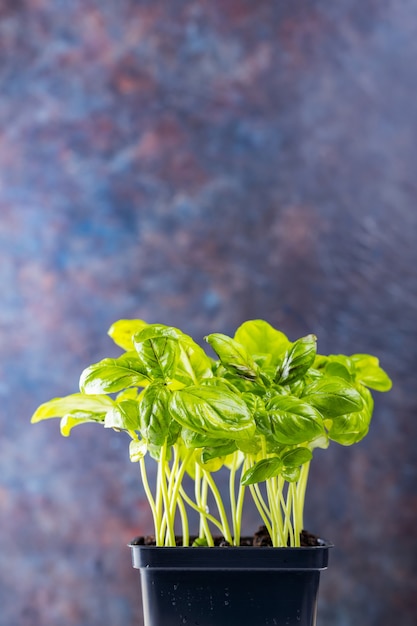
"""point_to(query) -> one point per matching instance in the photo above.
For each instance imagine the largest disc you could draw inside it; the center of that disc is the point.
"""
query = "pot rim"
(231, 557)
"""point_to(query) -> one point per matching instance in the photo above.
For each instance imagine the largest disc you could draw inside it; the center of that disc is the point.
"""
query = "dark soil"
(260, 538)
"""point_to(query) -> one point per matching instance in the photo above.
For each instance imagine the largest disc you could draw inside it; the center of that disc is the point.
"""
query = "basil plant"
(258, 410)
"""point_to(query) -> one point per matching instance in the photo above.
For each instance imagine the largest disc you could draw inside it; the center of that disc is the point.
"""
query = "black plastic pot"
(225, 586)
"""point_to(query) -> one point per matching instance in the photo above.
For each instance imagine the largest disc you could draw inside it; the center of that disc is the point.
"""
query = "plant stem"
(184, 522)
(236, 506)
(199, 510)
(292, 493)
(301, 492)
(286, 504)
(170, 534)
(239, 507)
(148, 492)
(159, 507)
(201, 489)
(232, 497)
(172, 473)
(178, 472)
(219, 502)
(261, 506)
(287, 532)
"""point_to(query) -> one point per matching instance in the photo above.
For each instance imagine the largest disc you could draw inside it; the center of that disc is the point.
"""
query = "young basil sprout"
(257, 411)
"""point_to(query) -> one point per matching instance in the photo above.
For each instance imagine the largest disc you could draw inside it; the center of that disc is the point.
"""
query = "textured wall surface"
(200, 163)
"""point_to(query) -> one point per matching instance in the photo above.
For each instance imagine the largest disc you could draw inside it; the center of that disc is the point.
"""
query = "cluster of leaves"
(263, 405)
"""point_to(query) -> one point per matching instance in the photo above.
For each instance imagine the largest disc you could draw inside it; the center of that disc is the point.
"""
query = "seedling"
(258, 409)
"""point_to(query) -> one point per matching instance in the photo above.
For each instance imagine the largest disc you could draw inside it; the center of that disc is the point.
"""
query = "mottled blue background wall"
(200, 163)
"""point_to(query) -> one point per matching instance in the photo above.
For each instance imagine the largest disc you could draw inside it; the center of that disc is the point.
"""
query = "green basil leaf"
(212, 411)
(249, 446)
(232, 354)
(193, 439)
(296, 457)
(349, 429)
(333, 396)
(122, 332)
(74, 410)
(124, 416)
(369, 372)
(158, 350)
(259, 413)
(273, 447)
(262, 470)
(291, 474)
(154, 451)
(155, 421)
(210, 453)
(158, 330)
(68, 422)
(211, 465)
(298, 359)
(254, 403)
(266, 344)
(229, 378)
(131, 393)
(77, 405)
(319, 442)
(297, 388)
(336, 365)
(193, 365)
(293, 421)
(111, 375)
(333, 368)
(222, 384)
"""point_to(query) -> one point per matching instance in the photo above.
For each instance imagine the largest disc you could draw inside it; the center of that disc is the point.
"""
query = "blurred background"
(199, 163)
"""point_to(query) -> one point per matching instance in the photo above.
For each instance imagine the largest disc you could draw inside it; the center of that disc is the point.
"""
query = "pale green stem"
(288, 524)
(197, 494)
(261, 500)
(179, 475)
(293, 493)
(261, 506)
(201, 490)
(226, 529)
(301, 492)
(184, 522)
(148, 492)
(204, 506)
(273, 503)
(171, 473)
(232, 497)
(159, 506)
(199, 510)
(239, 508)
(174, 476)
(272, 487)
(264, 510)
(287, 532)
(165, 517)
(272, 509)
(170, 534)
